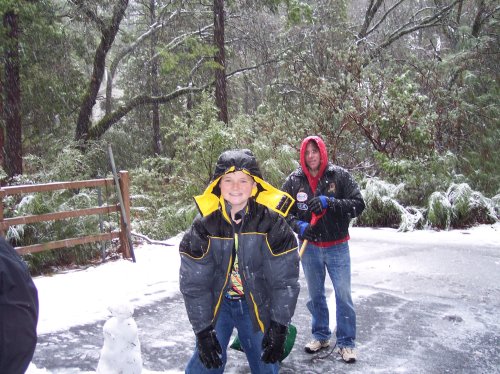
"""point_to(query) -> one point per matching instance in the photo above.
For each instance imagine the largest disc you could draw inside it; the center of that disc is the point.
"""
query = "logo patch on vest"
(301, 197)
(302, 206)
(332, 188)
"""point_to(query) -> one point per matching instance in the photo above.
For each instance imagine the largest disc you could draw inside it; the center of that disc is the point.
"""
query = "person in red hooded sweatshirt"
(327, 199)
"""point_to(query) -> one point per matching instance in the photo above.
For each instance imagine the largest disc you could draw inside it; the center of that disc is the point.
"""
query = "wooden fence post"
(124, 229)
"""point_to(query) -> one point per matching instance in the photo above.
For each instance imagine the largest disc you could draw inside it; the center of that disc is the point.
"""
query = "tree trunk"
(89, 100)
(478, 19)
(12, 109)
(157, 146)
(220, 59)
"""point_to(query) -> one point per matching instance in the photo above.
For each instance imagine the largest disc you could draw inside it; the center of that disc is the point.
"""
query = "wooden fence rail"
(5, 223)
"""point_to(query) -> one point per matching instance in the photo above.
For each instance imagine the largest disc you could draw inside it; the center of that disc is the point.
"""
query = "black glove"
(209, 348)
(319, 203)
(273, 344)
(305, 231)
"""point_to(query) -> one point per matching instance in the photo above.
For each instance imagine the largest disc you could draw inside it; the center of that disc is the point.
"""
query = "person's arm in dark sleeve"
(195, 276)
(282, 271)
(292, 218)
(352, 203)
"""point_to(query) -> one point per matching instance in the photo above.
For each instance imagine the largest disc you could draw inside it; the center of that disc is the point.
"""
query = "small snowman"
(121, 352)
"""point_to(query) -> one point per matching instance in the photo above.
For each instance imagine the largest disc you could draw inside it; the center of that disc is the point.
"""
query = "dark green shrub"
(69, 165)
(439, 211)
(384, 210)
(496, 204)
(469, 207)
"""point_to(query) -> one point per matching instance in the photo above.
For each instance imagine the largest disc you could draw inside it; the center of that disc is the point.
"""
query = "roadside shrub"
(421, 176)
(412, 218)
(469, 207)
(168, 221)
(439, 211)
(496, 204)
(383, 209)
(70, 164)
(380, 208)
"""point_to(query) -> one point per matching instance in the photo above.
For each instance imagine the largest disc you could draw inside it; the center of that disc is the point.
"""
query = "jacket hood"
(240, 159)
(313, 181)
(245, 161)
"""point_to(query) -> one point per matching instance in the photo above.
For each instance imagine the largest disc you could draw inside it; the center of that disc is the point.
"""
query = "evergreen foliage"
(458, 207)
(421, 176)
(415, 118)
(69, 165)
(469, 207)
(439, 211)
(199, 140)
(383, 208)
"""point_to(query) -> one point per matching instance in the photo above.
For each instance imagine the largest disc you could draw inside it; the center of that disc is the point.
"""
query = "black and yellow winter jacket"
(267, 252)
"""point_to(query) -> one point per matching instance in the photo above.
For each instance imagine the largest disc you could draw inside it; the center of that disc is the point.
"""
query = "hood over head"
(240, 160)
(245, 161)
(313, 181)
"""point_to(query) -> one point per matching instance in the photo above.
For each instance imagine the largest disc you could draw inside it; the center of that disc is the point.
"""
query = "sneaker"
(316, 345)
(347, 354)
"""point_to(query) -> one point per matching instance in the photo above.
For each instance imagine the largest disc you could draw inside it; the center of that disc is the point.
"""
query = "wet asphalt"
(413, 331)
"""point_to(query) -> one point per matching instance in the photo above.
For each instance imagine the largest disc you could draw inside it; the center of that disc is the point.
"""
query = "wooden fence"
(123, 234)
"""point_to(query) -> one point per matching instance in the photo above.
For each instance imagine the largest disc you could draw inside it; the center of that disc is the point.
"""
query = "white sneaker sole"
(311, 351)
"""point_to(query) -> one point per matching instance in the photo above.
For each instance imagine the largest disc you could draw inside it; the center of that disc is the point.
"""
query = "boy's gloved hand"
(209, 348)
(318, 203)
(305, 231)
(273, 344)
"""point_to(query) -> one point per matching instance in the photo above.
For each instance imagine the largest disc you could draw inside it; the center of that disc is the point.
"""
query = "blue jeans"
(316, 261)
(235, 314)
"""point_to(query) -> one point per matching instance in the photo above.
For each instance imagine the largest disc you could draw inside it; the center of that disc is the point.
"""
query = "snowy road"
(426, 303)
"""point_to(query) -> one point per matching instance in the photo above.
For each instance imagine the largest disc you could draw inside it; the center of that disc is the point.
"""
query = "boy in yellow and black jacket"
(239, 267)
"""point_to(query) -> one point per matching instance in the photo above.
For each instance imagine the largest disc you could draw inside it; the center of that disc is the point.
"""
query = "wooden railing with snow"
(122, 234)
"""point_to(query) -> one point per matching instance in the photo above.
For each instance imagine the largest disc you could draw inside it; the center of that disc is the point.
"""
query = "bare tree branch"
(96, 131)
(83, 6)
(382, 19)
(370, 13)
(138, 42)
(427, 22)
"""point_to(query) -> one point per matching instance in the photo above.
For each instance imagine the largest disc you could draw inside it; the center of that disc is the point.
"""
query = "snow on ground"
(83, 296)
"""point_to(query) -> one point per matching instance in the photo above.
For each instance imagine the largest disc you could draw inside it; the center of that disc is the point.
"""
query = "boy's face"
(236, 188)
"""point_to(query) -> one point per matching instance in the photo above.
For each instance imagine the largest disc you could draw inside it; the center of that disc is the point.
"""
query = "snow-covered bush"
(421, 175)
(412, 218)
(495, 200)
(383, 210)
(69, 164)
(439, 210)
(162, 222)
(469, 207)
(275, 162)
